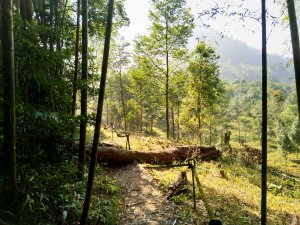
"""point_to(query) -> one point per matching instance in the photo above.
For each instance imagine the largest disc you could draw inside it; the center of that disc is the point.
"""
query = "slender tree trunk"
(296, 47)
(178, 125)
(264, 118)
(222, 138)
(23, 9)
(17, 5)
(28, 8)
(61, 24)
(107, 110)
(173, 122)
(210, 135)
(167, 83)
(83, 121)
(57, 68)
(140, 121)
(43, 12)
(199, 119)
(51, 24)
(199, 129)
(74, 94)
(9, 104)
(93, 160)
(239, 126)
(151, 125)
(123, 100)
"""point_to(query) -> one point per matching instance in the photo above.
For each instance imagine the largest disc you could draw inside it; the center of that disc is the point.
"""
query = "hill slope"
(238, 61)
(241, 62)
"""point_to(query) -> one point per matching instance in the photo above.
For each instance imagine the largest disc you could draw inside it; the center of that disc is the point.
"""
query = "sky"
(137, 11)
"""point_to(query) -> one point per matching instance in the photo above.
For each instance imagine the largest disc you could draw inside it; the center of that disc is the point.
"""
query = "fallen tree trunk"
(167, 156)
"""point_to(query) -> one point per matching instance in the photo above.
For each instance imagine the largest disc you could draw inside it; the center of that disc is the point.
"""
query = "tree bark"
(116, 155)
(83, 121)
(23, 9)
(9, 104)
(167, 82)
(210, 133)
(74, 94)
(295, 46)
(178, 125)
(28, 8)
(17, 5)
(173, 122)
(264, 126)
(123, 99)
(51, 24)
(93, 160)
(199, 118)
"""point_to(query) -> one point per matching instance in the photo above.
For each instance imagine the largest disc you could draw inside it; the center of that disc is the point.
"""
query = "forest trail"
(142, 203)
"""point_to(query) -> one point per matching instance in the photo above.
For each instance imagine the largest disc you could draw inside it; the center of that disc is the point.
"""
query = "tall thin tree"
(172, 25)
(121, 61)
(9, 106)
(83, 120)
(264, 117)
(295, 46)
(93, 160)
(74, 94)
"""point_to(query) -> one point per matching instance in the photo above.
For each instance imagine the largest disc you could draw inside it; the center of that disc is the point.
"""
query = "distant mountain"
(238, 61)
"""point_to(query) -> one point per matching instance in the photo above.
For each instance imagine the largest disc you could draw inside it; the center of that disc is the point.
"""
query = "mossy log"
(166, 156)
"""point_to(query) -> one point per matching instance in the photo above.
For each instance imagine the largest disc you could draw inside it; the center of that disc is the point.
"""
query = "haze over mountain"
(238, 61)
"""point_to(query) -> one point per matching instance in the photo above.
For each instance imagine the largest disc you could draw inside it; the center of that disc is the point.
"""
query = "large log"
(166, 156)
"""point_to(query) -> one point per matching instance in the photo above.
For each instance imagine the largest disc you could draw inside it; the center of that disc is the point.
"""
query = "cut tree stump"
(180, 186)
(166, 156)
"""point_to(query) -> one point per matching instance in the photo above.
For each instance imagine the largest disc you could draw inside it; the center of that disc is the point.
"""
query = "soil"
(142, 203)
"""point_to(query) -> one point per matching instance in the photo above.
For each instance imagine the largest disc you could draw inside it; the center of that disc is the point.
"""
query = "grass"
(235, 200)
(137, 141)
(242, 194)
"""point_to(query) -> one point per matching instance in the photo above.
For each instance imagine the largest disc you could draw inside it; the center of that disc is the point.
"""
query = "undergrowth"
(56, 196)
(235, 197)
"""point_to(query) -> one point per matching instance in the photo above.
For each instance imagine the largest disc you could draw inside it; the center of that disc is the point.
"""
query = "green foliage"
(58, 197)
(204, 75)
(295, 133)
(106, 185)
(205, 89)
(105, 210)
(47, 133)
(172, 25)
(181, 198)
(98, 14)
(286, 144)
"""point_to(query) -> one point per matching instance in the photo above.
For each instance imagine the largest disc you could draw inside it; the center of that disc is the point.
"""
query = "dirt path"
(142, 201)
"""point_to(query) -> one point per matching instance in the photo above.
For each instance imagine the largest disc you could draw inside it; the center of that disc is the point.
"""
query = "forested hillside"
(239, 61)
(69, 77)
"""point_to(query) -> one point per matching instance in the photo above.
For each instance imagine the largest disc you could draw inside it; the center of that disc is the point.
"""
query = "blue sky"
(137, 11)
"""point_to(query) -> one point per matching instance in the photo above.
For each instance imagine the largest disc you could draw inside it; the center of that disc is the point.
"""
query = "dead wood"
(166, 156)
(180, 186)
(251, 155)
